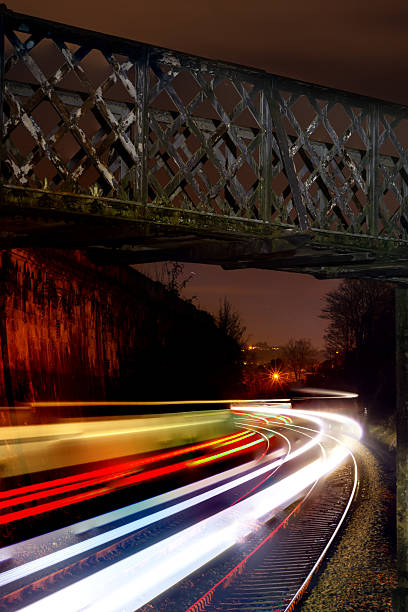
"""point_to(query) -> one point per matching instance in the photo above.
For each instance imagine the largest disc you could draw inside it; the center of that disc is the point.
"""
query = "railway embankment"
(359, 573)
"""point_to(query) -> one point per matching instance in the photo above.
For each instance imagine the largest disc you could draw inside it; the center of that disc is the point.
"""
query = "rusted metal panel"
(267, 196)
(203, 156)
(392, 202)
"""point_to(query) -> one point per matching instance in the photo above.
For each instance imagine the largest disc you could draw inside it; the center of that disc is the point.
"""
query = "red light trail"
(119, 473)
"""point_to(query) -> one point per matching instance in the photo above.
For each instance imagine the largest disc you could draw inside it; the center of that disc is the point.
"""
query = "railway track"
(277, 574)
(272, 569)
(248, 539)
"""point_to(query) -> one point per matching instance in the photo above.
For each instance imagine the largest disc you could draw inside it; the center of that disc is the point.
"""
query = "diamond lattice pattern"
(329, 144)
(162, 128)
(393, 176)
(205, 134)
(69, 117)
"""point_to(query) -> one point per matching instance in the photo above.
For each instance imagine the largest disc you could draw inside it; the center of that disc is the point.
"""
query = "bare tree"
(170, 274)
(173, 277)
(229, 321)
(356, 312)
(361, 335)
(298, 355)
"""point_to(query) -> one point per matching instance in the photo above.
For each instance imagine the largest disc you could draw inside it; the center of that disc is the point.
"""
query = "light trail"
(67, 553)
(267, 477)
(315, 416)
(47, 446)
(223, 454)
(170, 496)
(54, 487)
(325, 393)
(276, 433)
(124, 481)
(228, 402)
(198, 605)
(326, 548)
(136, 580)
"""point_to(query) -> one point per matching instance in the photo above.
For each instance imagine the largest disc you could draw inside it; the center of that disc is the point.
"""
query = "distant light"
(276, 376)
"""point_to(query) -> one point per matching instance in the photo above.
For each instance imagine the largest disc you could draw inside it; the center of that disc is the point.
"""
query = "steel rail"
(257, 588)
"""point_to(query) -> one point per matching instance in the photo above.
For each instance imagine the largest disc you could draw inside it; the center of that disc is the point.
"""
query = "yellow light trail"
(228, 452)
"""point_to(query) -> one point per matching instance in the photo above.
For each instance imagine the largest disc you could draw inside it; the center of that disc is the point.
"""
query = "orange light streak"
(162, 403)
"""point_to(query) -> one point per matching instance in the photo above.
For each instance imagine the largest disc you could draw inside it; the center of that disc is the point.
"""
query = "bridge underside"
(126, 233)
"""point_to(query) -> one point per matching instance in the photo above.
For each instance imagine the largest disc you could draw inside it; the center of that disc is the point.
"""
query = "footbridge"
(143, 154)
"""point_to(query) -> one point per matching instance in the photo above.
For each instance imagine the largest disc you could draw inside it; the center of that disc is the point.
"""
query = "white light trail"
(66, 553)
(326, 548)
(132, 582)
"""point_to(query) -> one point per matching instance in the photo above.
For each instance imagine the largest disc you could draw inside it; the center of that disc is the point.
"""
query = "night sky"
(274, 306)
(356, 46)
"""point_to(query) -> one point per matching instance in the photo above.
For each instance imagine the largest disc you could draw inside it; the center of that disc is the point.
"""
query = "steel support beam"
(400, 596)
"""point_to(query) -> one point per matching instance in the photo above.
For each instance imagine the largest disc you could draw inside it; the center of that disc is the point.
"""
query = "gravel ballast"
(360, 573)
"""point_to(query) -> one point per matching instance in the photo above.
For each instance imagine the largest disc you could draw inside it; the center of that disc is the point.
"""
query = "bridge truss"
(154, 154)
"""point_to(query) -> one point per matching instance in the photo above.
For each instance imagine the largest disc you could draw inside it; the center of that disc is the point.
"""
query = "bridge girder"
(130, 233)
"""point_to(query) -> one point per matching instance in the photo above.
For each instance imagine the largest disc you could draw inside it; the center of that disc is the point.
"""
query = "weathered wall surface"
(70, 330)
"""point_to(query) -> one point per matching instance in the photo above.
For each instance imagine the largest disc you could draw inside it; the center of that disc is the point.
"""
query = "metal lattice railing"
(89, 113)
